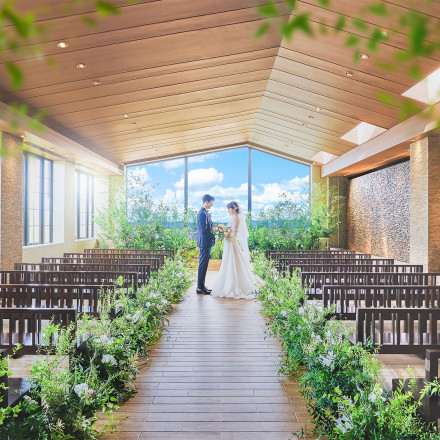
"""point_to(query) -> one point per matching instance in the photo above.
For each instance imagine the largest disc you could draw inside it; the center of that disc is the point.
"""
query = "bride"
(236, 278)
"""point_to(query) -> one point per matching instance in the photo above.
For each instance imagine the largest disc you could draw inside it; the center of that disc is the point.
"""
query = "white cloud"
(201, 159)
(202, 177)
(173, 164)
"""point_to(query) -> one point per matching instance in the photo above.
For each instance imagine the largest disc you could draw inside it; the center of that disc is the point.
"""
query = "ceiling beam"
(410, 130)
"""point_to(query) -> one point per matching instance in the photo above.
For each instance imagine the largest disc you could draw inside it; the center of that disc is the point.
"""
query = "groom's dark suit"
(205, 241)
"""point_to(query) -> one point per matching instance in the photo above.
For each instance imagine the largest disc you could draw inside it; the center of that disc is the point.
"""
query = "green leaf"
(352, 41)
(415, 72)
(269, 10)
(386, 98)
(106, 8)
(15, 75)
(379, 8)
(324, 2)
(360, 24)
(89, 21)
(340, 23)
(262, 30)
(291, 3)
(323, 28)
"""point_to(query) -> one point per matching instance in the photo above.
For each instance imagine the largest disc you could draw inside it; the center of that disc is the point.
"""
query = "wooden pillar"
(11, 201)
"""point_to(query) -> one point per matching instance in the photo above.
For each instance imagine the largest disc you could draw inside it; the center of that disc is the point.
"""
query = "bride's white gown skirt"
(236, 278)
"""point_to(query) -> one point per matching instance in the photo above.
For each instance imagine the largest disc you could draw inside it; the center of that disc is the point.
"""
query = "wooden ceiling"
(191, 78)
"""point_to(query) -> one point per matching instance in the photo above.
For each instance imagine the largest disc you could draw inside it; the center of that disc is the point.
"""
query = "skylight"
(323, 157)
(363, 133)
(427, 90)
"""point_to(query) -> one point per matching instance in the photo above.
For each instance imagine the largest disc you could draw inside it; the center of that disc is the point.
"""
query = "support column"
(324, 190)
(11, 201)
(425, 203)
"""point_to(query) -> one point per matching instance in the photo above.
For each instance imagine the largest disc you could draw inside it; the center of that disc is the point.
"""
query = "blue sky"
(224, 175)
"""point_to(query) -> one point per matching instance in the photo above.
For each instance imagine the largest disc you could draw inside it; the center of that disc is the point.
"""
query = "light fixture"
(132, 123)
(62, 44)
(364, 56)
(81, 66)
(384, 33)
(96, 82)
(349, 73)
(291, 141)
(304, 124)
(318, 109)
(125, 116)
(311, 117)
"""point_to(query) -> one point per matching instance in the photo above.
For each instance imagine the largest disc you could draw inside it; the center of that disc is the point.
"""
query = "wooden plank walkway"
(213, 375)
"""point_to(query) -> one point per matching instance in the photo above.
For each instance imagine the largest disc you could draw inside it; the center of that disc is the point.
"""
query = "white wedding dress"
(236, 278)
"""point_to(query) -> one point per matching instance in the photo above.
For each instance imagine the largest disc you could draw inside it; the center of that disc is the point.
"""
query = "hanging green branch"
(363, 34)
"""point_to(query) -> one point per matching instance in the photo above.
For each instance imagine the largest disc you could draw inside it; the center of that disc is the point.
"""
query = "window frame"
(90, 205)
(42, 208)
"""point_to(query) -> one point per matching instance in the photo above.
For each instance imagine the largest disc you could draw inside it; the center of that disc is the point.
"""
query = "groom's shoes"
(208, 291)
(202, 291)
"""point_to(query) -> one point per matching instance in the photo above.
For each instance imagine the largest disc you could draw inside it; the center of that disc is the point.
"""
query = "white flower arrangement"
(148, 304)
(83, 390)
(328, 360)
(105, 340)
(109, 359)
(284, 312)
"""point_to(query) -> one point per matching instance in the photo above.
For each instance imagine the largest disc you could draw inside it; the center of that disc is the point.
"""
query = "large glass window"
(37, 200)
(225, 175)
(84, 205)
(274, 177)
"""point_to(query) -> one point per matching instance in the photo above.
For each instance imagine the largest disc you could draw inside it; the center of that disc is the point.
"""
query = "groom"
(205, 241)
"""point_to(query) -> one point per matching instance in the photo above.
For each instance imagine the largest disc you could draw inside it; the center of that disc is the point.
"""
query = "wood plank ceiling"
(191, 78)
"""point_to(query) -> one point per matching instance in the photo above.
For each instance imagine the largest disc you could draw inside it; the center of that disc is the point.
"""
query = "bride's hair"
(234, 206)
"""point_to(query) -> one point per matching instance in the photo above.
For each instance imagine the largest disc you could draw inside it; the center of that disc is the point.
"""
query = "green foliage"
(296, 224)
(362, 34)
(70, 385)
(340, 381)
(132, 220)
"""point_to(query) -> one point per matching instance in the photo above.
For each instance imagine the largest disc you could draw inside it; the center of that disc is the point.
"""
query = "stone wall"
(378, 212)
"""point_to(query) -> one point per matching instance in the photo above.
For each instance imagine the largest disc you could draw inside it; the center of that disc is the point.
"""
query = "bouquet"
(221, 231)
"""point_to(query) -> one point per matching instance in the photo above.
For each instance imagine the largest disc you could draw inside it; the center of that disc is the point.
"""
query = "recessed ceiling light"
(311, 117)
(96, 82)
(304, 124)
(349, 73)
(132, 123)
(385, 33)
(125, 116)
(318, 109)
(291, 141)
(62, 44)
(364, 56)
(81, 66)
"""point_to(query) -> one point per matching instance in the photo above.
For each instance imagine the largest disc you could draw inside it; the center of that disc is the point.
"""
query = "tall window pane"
(37, 200)
(85, 204)
(224, 175)
(272, 177)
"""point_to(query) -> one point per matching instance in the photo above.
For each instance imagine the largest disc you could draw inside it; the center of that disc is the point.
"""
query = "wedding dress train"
(236, 278)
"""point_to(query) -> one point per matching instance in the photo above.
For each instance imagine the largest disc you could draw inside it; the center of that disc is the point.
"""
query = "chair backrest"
(24, 326)
(398, 330)
(347, 299)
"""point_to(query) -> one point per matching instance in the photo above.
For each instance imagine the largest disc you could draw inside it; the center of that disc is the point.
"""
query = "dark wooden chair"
(284, 263)
(275, 254)
(129, 279)
(24, 326)
(154, 262)
(313, 282)
(347, 299)
(398, 330)
(17, 387)
(169, 253)
(335, 267)
(430, 409)
(84, 298)
(143, 271)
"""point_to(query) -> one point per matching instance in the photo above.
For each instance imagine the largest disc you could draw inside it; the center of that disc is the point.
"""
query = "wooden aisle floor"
(213, 375)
